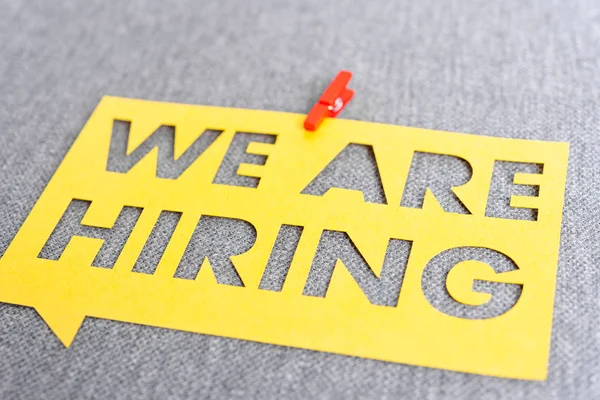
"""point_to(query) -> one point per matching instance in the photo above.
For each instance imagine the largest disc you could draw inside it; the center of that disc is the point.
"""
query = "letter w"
(164, 140)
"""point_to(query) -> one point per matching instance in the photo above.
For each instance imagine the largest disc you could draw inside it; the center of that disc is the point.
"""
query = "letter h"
(70, 225)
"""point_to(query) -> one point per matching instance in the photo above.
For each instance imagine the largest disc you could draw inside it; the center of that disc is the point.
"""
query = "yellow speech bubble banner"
(240, 223)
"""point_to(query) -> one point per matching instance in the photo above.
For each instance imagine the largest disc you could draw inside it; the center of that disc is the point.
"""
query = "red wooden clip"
(332, 101)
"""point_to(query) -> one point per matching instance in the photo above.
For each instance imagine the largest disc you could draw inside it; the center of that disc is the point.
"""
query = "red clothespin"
(332, 101)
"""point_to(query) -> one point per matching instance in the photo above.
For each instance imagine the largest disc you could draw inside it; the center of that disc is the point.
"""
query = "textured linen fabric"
(519, 68)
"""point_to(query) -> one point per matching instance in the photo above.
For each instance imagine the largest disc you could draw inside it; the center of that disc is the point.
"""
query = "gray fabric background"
(525, 69)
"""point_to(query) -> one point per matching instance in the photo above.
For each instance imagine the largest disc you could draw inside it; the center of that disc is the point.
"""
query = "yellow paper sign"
(134, 227)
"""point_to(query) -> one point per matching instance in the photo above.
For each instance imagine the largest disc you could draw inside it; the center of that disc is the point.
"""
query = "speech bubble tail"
(62, 321)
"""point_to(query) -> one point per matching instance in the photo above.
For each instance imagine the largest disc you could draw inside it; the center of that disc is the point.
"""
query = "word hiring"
(354, 157)
(218, 239)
